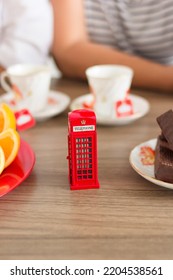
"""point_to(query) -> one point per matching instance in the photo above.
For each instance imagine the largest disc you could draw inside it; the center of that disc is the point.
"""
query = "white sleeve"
(26, 31)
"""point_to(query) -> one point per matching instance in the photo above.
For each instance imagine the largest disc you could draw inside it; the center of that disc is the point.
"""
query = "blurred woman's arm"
(74, 52)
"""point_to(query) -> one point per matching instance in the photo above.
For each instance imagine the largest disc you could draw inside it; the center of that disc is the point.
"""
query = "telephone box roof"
(81, 113)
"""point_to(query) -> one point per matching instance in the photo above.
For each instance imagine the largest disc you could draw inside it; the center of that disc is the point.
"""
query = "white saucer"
(57, 102)
(141, 108)
(146, 171)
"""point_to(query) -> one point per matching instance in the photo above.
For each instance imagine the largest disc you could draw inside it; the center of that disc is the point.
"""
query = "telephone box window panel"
(84, 158)
(82, 150)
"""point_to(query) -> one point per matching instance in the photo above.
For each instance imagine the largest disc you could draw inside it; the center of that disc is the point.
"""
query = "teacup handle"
(4, 84)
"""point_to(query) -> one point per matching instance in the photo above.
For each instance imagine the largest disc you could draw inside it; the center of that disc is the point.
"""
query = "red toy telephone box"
(82, 150)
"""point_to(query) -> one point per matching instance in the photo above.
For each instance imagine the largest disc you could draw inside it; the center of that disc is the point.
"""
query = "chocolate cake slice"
(165, 122)
(164, 142)
(163, 161)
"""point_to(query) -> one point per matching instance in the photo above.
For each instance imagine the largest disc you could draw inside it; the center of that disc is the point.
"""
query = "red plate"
(19, 170)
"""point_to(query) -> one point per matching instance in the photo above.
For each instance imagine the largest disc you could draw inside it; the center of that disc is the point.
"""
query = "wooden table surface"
(127, 218)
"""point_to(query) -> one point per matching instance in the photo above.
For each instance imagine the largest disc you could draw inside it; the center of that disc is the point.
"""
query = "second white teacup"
(109, 84)
(33, 82)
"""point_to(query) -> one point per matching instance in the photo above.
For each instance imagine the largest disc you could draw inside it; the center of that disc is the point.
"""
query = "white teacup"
(33, 82)
(109, 84)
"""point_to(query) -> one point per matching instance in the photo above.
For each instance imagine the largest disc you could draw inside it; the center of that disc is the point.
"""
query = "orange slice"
(10, 143)
(7, 118)
(2, 160)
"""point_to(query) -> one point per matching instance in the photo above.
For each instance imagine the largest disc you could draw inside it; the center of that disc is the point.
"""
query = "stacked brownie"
(164, 148)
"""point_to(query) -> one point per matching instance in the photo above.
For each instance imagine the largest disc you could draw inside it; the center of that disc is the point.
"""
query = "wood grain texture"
(127, 218)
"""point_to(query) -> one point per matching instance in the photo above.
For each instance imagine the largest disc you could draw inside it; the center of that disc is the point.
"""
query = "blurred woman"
(136, 33)
(25, 31)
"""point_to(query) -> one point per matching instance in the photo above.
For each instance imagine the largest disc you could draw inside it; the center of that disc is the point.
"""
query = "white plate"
(146, 171)
(57, 102)
(141, 108)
